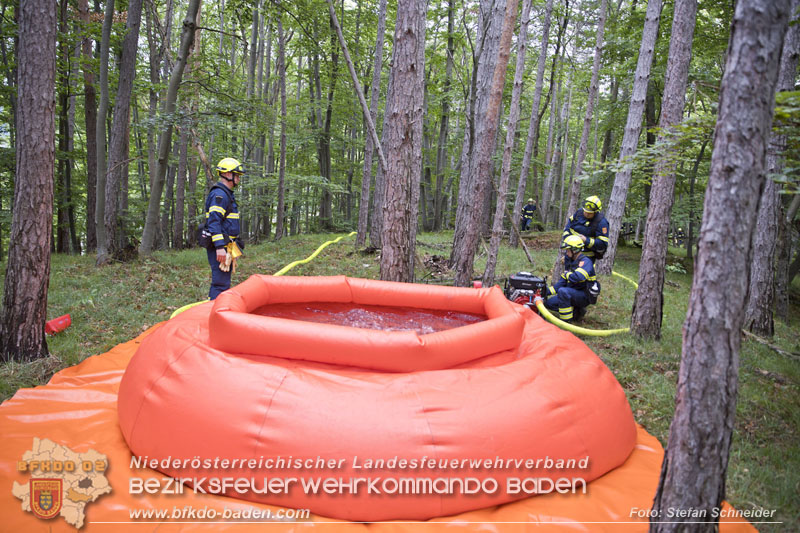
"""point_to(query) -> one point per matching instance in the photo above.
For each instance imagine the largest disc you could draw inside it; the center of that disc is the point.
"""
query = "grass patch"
(113, 304)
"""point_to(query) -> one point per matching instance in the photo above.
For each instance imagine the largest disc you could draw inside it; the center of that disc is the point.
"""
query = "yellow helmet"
(592, 204)
(572, 242)
(230, 164)
(530, 200)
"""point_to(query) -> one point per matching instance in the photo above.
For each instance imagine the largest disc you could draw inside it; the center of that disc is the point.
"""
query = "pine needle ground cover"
(115, 303)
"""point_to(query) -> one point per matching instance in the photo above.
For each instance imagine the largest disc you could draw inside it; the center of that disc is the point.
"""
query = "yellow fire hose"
(280, 272)
(539, 301)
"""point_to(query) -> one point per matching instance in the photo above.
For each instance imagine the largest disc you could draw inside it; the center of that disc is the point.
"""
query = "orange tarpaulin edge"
(78, 409)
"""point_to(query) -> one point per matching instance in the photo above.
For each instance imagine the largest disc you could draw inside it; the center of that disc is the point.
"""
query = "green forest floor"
(113, 304)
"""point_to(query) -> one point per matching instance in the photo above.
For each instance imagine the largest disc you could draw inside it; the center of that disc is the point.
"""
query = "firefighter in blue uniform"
(222, 222)
(527, 215)
(591, 226)
(569, 298)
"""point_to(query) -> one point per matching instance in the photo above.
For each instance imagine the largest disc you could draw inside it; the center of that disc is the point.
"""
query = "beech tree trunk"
(511, 132)
(187, 38)
(649, 300)
(444, 122)
(402, 138)
(369, 145)
(281, 219)
(90, 116)
(575, 189)
(583, 148)
(102, 112)
(630, 139)
(24, 309)
(696, 460)
(533, 126)
(118, 138)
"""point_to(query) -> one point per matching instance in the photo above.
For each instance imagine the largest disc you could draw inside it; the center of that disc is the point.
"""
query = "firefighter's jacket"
(578, 273)
(222, 215)
(596, 233)
(528, 210)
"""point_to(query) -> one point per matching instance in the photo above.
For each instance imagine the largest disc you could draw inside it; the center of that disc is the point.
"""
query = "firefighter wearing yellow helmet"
(222, 226)
(527, 214)
(590, 225)
(572, 294)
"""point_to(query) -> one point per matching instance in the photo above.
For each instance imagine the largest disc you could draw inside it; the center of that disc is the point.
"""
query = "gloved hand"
(225, 266)
(221, 255)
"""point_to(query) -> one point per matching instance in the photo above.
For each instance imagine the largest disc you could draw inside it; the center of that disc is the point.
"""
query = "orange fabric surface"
(78, 409)
(510, 386)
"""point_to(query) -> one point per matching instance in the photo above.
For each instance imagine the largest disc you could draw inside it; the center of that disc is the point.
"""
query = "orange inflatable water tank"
(261, 375)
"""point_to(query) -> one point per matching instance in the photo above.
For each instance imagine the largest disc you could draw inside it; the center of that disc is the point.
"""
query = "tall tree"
(533, 126)
(90, 116)
(758, 315)
(27, 276)
(695, 463)
(281, 219)
(187, 38)
(444, 121)
(118, 137)
(511, 133)
(369, 148)
(403, 142)
(477, 173)
(649, 301)
(575, 190)
(102, 115)
(630, 139)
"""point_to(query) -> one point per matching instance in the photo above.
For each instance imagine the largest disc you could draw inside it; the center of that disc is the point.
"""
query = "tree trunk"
(695, 463)
(630, 139)
(102, 112)
(279, 226)
(178, 241)
(90, 116)
(187, 39)
(533, 126)
(758, 315)
(324, 141)
(369, 144)
(403, 142)
(477, 174)
(24, 309)
(379, 195)
(484, 52)
(575, 190)
(118, 138)
(64, 163)
(649, 300)
(444, 123)
(511, 132)
(692, 180)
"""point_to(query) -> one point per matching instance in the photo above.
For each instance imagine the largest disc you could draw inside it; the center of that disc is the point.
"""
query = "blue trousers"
(524, 224)
(565, 300)
(220, 281)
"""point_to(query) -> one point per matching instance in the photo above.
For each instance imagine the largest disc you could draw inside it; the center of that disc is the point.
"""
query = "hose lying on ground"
(539, 301)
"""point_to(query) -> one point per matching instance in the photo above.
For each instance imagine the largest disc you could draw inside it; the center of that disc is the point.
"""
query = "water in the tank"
(422, 321)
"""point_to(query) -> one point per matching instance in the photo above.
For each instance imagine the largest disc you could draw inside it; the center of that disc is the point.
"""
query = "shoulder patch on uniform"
(581, 263)
(605, 230)
(219, 197)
